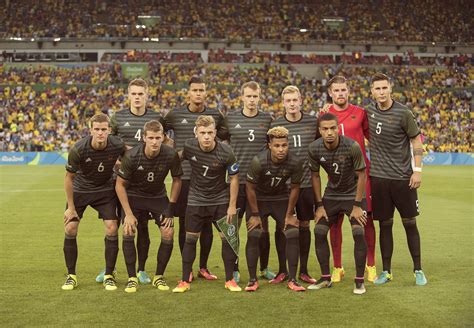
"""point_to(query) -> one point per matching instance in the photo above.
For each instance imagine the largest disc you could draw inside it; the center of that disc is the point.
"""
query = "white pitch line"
(30, 190)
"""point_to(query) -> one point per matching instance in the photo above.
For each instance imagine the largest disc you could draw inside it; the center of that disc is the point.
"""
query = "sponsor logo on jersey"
(126, 124)
(238, 126)
(140, 168)
(373, 115)
(322, 159)
(184, 121)
(194, 158)
(268, 173)
(88, 160)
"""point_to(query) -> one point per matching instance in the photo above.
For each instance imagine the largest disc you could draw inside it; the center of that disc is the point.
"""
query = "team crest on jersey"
(216, 163)
(285, 172)
(261, 125)
(231, 230)
(161, 167)
(353, 117)
(341, 158)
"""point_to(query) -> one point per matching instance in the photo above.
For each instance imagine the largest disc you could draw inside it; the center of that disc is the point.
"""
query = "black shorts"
(197, 216)
(334, 208)
(146, 209)
(104, 202)
(305, 204)
(182, 202)
(274, 208)
(388, 194)
(242, 201)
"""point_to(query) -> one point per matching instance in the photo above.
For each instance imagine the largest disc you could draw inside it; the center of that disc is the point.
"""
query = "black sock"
(360, 250)
(264, 245)
(305, 243)
(182, 234)
(386, 243)
(322, 247)
(292, 250)
(280, 241)
(229, 258)
(70, 253)
(111, 252)
(189, 255)
(163, 256)
(130, 255)
(413, 239)
(143, 244)
(206, 243)
(252, 252)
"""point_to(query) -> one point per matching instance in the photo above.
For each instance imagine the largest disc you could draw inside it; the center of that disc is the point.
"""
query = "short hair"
(152, 126)
(205, 121)
(336, 79)
(277, 132)
(251, 85)
(139, 82)
(327, 117)
(379, 77)
(196, 79)
(290, 89)
(99, 118)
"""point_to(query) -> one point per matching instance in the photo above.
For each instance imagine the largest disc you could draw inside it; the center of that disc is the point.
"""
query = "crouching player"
(88, 182)
(209, 196)
(344, 163)
(268, 194)
(142, 193)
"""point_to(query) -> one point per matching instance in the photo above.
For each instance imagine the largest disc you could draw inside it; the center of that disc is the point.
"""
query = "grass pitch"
(32, 269)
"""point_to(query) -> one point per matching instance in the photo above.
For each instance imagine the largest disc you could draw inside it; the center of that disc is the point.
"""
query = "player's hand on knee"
(291, 220)
(254, 222)
(415, 180)
(70, 215)
(359, 215)
(320, 213)
(130, 224)
(231, 211)
(166, 222)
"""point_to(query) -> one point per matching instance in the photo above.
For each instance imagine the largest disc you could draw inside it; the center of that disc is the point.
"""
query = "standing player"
(267, 194)
(181, 121)
(344, 163)
(353, 124)
(142, 193)
(248, 136)
(209, 196)
(394, 177)
(302, 131)
(88, 182)
(128, 125)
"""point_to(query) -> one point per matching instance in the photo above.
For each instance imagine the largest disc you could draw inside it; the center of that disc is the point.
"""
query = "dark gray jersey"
(301, 134)
(248, 136)
(129, 127)
(94, 168)
(340, 164)
(146, 176)
(271, 178)
(208, 173)
(182, 122)
(390, 134)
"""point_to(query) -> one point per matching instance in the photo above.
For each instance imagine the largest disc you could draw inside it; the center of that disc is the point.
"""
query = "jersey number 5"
(378, 128)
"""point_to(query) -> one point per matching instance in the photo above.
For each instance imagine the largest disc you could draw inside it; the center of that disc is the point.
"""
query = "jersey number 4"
(138, 135)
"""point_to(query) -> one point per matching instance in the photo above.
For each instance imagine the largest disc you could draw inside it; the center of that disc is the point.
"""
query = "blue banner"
(33, 158)
(57, 158)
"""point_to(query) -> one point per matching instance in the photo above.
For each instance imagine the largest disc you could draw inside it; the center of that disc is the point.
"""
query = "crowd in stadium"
(280, 20)
(53, 118)
(261, 57)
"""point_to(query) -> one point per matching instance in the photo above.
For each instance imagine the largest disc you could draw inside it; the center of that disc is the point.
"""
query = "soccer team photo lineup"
(193, 170)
